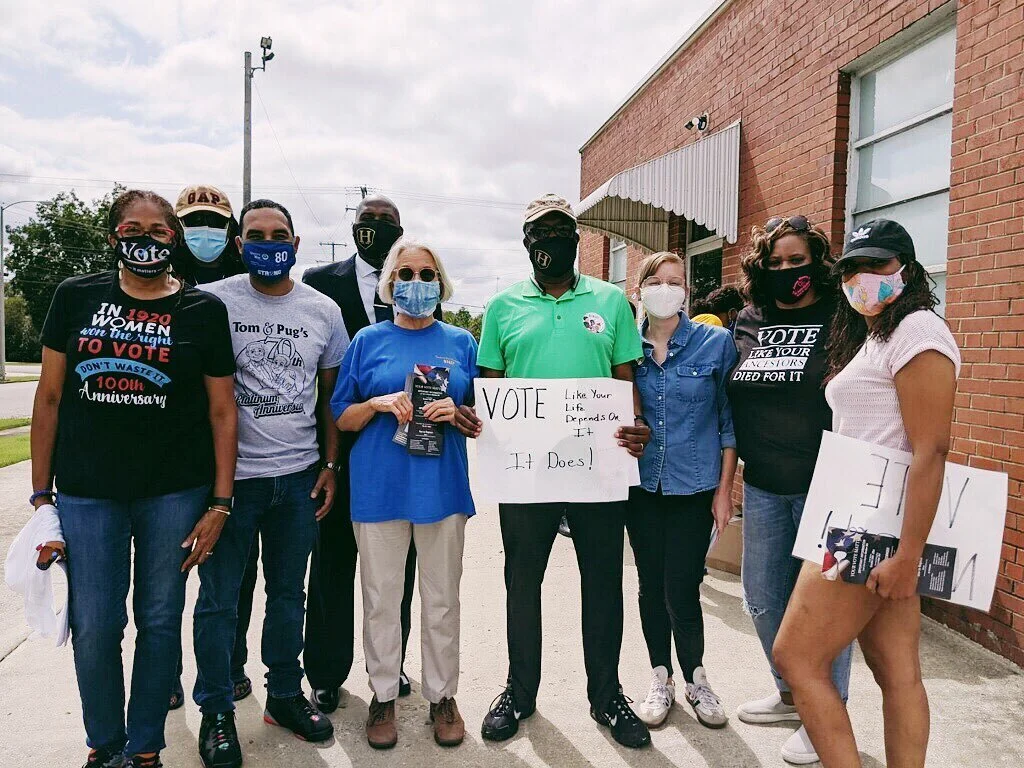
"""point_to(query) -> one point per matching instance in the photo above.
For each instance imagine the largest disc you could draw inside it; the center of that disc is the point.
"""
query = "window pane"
(940, 291)
(910, 163)
(705, 273)
(913, 84)
(927, 221)
(699, 232)
(617, 263)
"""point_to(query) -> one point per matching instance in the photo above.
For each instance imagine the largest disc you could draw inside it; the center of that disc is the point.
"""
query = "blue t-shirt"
(388, 483)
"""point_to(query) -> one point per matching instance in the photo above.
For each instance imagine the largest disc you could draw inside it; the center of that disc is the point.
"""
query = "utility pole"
(3, 313)
(250, 70)
(333, 245)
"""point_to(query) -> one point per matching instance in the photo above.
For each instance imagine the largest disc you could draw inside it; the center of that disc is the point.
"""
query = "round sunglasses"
(427, 275)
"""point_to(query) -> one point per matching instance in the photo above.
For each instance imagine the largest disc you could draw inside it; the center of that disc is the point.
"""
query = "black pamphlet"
(429, 384)
(853, 553)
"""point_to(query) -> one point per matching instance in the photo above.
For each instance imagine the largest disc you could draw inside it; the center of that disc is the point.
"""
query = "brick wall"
(985, 289)
(778, 66)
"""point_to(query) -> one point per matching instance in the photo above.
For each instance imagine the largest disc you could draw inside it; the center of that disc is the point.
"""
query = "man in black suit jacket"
(330, 609)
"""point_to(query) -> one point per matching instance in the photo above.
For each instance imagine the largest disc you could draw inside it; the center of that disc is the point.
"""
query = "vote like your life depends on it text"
(553, 440)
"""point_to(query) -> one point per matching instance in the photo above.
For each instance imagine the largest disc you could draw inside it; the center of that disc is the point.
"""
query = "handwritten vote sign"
(553, 440)
(864, 486)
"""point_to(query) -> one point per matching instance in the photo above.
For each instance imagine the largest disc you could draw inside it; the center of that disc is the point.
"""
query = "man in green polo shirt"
(561, 324)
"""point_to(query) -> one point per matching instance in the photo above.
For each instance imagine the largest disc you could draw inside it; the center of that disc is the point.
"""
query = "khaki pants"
(383, 548)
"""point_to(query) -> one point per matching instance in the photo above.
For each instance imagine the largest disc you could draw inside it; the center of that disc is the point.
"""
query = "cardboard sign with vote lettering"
(553, 440)
(862, 488)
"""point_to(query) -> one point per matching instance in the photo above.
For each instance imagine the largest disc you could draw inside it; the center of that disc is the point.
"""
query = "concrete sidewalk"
(977, 698)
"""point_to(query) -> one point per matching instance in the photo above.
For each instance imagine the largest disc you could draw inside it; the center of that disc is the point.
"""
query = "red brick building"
(844, 111)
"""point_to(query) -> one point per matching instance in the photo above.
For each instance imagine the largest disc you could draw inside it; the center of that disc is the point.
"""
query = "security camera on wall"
(700, 123)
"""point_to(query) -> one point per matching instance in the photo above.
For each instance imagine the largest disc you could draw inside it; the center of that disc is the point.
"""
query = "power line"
(283, 157)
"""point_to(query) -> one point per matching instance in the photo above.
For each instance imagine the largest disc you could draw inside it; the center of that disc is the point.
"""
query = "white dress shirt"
(367, 277)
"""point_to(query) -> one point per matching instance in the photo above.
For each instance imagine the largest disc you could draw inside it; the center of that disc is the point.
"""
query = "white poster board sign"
(553, 440)
(863, 486)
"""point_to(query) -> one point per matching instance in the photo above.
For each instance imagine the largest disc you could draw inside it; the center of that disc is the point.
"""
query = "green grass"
(13, 448)
(12, 423)
(19, 379)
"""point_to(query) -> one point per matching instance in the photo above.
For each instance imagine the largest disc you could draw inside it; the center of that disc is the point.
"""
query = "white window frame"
(697, 248)
(616, 246)
(945, 22)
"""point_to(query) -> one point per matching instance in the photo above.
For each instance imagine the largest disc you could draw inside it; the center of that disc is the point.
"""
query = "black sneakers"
(300, 717)
(502, 722)
(218, 741)
(627, 729)
(138, 761)
(105, 758)
(326, 699)
(404, 686)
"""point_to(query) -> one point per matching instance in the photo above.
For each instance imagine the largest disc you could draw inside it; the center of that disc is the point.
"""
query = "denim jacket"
(684, 401)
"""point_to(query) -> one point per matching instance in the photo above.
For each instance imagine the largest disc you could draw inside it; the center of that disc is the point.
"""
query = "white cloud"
(444, 99)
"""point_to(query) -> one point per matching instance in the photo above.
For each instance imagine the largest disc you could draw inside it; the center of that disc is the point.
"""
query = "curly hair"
(755, 263)
(849, 329)
(124, 201)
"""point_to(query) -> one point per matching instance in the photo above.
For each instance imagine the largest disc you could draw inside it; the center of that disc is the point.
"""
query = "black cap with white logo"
(880, 239)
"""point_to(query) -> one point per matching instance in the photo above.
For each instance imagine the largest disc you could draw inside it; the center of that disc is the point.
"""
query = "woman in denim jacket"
(686, 477)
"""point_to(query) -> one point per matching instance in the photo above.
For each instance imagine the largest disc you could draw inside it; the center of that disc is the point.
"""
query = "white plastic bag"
(33, 584)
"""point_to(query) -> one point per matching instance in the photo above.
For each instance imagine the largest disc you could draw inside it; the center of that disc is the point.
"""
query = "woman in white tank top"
(892, 372)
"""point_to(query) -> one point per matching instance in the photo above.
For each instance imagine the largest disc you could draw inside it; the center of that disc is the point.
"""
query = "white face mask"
(663, 301)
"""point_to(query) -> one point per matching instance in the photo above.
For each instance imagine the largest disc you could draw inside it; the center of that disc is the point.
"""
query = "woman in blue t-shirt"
(409, 481)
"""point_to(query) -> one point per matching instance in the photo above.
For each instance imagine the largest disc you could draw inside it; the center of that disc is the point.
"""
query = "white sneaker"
(660, 698)
(706, 704)
(798, 749)
(770, 709)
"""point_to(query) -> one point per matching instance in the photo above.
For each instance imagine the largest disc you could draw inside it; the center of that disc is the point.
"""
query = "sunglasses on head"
(798, 223)
(427, 275)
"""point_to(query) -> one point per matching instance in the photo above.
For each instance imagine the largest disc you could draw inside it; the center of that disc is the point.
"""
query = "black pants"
(527, 532)
(330, 606)
(670, 537)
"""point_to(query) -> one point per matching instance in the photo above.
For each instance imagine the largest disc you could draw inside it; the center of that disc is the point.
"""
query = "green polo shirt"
(583, 333)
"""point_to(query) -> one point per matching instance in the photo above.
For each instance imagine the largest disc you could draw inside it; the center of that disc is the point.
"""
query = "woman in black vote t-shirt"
(135, 419)
(779, 413)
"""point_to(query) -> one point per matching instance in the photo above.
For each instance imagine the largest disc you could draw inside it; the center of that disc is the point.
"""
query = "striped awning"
(699, 182)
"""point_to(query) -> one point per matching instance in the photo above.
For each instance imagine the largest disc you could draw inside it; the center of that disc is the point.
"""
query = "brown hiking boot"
(381, 729)
(449, 727)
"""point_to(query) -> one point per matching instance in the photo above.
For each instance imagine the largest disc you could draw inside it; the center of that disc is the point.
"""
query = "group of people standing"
(199, 403)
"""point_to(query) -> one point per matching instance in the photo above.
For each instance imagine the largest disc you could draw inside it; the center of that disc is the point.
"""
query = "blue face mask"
(206, 243)
(268, 259)
(416, 298)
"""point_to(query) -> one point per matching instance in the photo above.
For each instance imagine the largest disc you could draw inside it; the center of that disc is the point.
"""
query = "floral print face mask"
(869, 293)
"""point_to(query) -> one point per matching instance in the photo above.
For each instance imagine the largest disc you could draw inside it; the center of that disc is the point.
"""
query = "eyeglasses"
(160, 234)
(544, 231)
(798, 223)
(650, 282)
(427, 275)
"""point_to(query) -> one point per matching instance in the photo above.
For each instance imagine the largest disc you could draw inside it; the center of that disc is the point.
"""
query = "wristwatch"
(222, 501)
(640, 417)
(334, 466)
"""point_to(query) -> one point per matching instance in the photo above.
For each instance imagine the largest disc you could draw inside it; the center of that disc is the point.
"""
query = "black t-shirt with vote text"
(133, 420)
(777, 395)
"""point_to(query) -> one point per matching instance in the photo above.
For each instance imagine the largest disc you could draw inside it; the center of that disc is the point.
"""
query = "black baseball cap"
(879, 239)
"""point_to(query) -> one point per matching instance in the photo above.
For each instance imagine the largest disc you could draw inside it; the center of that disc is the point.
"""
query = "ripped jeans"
(770, 522)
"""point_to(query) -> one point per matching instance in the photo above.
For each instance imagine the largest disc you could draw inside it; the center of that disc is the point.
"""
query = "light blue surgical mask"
(206, 243)
(416, 298)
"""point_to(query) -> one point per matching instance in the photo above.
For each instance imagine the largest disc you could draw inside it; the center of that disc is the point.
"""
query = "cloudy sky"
(460, 111)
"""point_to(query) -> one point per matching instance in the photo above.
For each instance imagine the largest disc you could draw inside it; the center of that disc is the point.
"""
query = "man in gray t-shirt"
(288, 342)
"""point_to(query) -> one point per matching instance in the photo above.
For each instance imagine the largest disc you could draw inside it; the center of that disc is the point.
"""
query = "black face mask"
(143, 256)
(554, 256)
(374, 239)
(788, 286)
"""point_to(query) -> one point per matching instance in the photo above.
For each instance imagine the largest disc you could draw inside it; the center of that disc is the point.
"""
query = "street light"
(266, 44)
(3, 313)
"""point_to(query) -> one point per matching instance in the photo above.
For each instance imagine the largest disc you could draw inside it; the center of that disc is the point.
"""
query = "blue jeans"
(770, 523)
(99, 535)
(280, 509)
